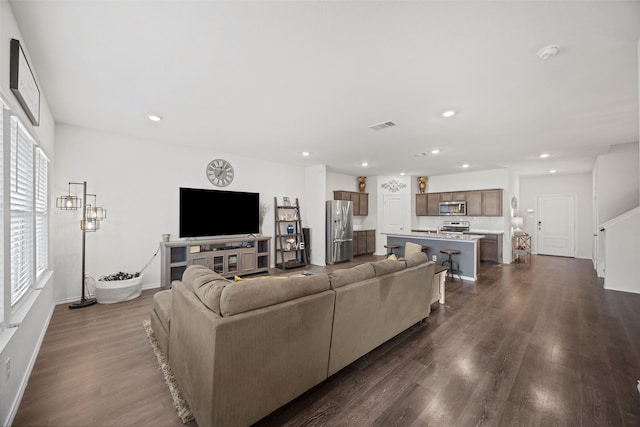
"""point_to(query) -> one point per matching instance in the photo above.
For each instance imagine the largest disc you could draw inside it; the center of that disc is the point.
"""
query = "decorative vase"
(422, 184)
(362, 183)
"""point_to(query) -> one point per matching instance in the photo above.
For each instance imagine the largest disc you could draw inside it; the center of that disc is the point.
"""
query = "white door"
(556, 225)
(393, 213)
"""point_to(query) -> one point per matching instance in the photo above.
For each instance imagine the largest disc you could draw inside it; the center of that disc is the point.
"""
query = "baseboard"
(25, 380)
(72, 299)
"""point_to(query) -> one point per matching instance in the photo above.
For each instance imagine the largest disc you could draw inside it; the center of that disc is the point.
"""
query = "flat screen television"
(205, 213)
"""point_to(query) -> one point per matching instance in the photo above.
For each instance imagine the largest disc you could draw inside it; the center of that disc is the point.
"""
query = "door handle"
(539, 225)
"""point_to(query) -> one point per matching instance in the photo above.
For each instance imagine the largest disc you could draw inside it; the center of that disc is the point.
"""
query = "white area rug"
(184, 412)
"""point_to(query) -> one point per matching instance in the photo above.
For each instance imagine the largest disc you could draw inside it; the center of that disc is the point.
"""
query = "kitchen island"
(467, 244)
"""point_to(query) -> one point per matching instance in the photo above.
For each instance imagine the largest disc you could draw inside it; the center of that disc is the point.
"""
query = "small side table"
(439, 280)
(521, 245)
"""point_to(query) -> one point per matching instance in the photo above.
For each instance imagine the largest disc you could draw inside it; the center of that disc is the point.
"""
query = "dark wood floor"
(538, 344)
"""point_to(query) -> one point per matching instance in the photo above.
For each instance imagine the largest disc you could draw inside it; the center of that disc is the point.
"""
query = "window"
(42, 212)
(24, 213)
(22, 209)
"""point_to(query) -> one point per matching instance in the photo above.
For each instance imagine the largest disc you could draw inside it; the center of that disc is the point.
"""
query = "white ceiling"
(272, 79)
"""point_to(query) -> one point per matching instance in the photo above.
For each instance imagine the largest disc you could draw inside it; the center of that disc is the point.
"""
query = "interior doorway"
(556, 225)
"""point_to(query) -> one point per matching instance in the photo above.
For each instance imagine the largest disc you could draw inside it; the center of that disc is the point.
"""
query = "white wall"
(21, 343)
(622, 248)
(615, 191)
(315, 183)
(137, 182)
(481, 180)
(576, 184)
(617, 181)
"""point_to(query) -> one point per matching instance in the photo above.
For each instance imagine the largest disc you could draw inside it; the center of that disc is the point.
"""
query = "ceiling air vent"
(382, 125)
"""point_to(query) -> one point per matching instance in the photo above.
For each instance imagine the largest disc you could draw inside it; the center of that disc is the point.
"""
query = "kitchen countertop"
(438, 236)
(474, 231)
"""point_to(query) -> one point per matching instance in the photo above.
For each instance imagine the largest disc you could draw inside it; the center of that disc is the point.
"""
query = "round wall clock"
(220, 172)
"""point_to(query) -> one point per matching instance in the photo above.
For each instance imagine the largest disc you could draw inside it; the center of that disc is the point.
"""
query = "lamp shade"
(89, 225)
(68, 202)
(517, 221)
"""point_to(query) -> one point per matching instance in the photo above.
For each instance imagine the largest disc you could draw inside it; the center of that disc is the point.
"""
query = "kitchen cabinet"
(457, 196)
(474, 203)
(433, 204)
(491, 248)
(427, 204)
(421, 204)
(491, 202)
(364, 242)
(360, 201)
(479, 202)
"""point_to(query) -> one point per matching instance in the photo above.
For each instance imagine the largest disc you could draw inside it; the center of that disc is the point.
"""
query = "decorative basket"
(111, 292)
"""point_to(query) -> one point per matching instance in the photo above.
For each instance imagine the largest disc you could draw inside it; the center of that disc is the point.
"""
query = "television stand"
(234, 256)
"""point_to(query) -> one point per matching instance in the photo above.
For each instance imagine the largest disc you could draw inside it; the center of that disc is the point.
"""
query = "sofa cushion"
(162, 307)
(416, 258)
(346, 276)
(206, 284)
(387, 266)
(247, 295)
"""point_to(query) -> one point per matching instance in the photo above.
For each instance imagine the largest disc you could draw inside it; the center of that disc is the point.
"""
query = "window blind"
(41, 211)
(21, 200)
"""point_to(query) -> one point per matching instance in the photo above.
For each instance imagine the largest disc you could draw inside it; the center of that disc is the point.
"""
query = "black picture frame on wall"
(23, 83)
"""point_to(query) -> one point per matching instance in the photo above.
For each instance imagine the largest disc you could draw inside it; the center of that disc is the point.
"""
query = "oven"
(455, 227)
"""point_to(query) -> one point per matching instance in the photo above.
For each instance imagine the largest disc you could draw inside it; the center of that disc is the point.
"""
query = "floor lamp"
(91, 217)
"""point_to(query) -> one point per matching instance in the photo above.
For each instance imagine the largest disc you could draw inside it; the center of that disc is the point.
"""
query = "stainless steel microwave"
(453, 208)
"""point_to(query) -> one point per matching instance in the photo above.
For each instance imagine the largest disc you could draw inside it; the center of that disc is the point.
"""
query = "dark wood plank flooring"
(537, 344)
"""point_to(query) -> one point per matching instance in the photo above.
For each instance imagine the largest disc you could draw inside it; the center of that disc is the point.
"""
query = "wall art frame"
(23, 83)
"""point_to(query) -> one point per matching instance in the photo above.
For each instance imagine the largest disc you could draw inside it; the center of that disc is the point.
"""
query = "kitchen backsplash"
(488, 223)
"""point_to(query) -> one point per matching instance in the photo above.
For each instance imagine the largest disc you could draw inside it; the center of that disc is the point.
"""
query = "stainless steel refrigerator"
(339, 231)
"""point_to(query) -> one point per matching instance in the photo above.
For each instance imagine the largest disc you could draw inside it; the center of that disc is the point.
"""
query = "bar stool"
(390, 248)
(454, 267)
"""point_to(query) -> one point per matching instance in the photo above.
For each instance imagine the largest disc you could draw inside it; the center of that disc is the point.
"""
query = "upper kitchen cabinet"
(433, 204)
(421, 204)
(479, 202)
(474, 203)
(427, 204)
(492, 203)
(360, 201)
(456, 196)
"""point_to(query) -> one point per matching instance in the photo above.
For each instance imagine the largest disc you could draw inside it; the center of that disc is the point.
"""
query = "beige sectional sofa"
(240, 350)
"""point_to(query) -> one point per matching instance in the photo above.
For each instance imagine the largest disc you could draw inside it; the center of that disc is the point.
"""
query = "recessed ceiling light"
(465, 165)
(553, 171)
(448, 113)
(306, 153)
(401, 173)
(435, 151)
(154, 117)
(365, 164)
(544, 155)
(420, 154)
